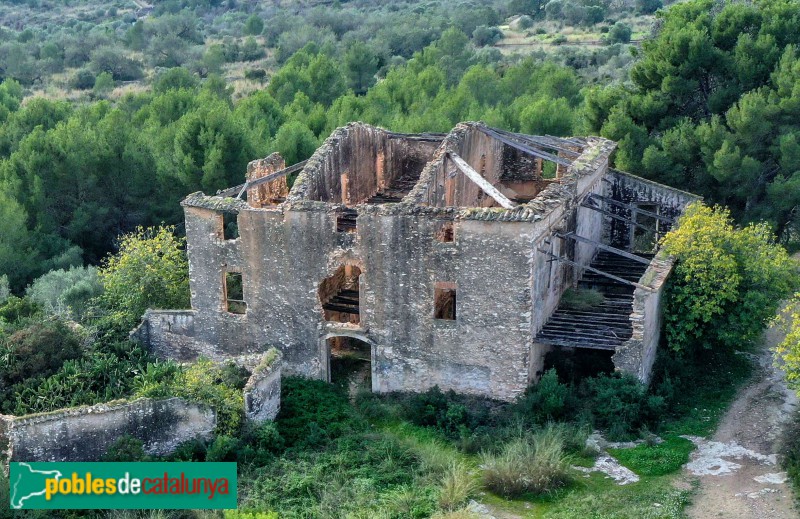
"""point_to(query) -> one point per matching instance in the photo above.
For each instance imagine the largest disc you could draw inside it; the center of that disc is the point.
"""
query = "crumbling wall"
(357, 161)
(444, 185)
(168, 333)
(86, 433)
(268, 193)
(637, 355)
(262, 393)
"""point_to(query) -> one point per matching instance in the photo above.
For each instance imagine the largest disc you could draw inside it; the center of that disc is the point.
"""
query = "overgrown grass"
(655, 460)
(581, 298)
(535, 464)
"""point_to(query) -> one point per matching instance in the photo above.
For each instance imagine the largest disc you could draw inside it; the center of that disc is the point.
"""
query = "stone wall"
(86, 433)
(262, 393)
(637, 355)
(168, 333)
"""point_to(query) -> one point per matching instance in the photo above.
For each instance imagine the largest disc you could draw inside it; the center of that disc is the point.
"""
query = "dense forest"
(112, 111)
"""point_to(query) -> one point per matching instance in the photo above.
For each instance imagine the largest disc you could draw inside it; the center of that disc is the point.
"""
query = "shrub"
(312, 412)
(83, 80)
(544, 401)
(223, 448)
(126, 448)
(37, 350)
(457, 485)
(619, 404)
(790, 450)
(66, 292)
(533, 464)
(619, 33)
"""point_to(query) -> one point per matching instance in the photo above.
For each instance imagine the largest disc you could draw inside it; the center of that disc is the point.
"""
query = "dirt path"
(737, 468)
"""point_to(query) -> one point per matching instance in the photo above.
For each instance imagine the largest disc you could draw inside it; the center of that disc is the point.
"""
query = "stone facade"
(444, 255)
(86, 433)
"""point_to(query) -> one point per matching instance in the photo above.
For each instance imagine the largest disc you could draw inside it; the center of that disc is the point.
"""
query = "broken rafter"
(632, 207)
(525, 148)
(481, 182)
(603, 246)
(596, 271)
(544, 142)
(241, 188)
(432, 137)
(587, 205)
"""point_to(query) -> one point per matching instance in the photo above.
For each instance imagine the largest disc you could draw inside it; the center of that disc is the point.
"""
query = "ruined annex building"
(439, 259)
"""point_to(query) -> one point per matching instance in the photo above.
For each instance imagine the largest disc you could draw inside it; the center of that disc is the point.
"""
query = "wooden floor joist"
(596, 271)
(630, 207)
(603, 246)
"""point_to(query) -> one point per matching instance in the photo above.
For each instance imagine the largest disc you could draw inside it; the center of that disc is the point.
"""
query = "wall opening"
(444, 301)
(575, 364)
(646, 232)
(339, 295)
(346, 220)
(350, 364)
(230, 225)
(234, 293)
(446, 233)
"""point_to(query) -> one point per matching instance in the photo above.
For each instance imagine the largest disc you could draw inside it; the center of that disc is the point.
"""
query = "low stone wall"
(262, 393)
(637, 355)
(86, 433)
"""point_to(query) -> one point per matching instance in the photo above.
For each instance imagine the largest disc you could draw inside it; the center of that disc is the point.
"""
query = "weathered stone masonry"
(446, 254)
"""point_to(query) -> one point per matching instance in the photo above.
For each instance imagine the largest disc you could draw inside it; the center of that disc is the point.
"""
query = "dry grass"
(533, 464)
(457, 485)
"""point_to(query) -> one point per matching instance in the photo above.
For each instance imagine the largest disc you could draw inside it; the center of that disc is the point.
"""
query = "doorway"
(350, 363)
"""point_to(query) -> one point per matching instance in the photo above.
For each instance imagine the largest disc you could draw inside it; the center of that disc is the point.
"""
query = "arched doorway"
(349, 363)
(339, 295)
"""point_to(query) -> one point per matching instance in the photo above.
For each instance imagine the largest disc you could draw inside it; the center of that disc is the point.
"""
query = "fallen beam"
(241, 188)
(603, 246)
(481, 182)
(596, 271)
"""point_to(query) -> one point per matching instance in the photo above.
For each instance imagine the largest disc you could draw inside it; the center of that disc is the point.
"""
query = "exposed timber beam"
(603, 246)
(617, 217)
(241, 188)
(633, 207)
(525, 148)
(596, 271)
(481, 182)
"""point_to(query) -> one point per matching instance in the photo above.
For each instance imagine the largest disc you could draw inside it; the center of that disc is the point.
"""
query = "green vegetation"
(108, 118)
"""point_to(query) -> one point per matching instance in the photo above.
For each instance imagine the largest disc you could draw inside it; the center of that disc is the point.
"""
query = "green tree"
(295, 142)
(728, 282)
(361, 64)
(619, 33)
(149, 271)
(65, 292)
(103, 84)
(253, 26)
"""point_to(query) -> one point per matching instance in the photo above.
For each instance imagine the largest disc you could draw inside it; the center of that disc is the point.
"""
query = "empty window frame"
(346, 220)
(647, 232)
(234, 293)
(446, 233)
(230, 225)
(444, 301)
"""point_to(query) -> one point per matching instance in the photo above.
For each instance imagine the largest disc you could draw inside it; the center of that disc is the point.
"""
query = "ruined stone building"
(442, 259)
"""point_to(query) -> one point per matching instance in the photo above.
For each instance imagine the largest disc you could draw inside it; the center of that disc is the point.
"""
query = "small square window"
(234, 293)
(446, 233)
(444, 301)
